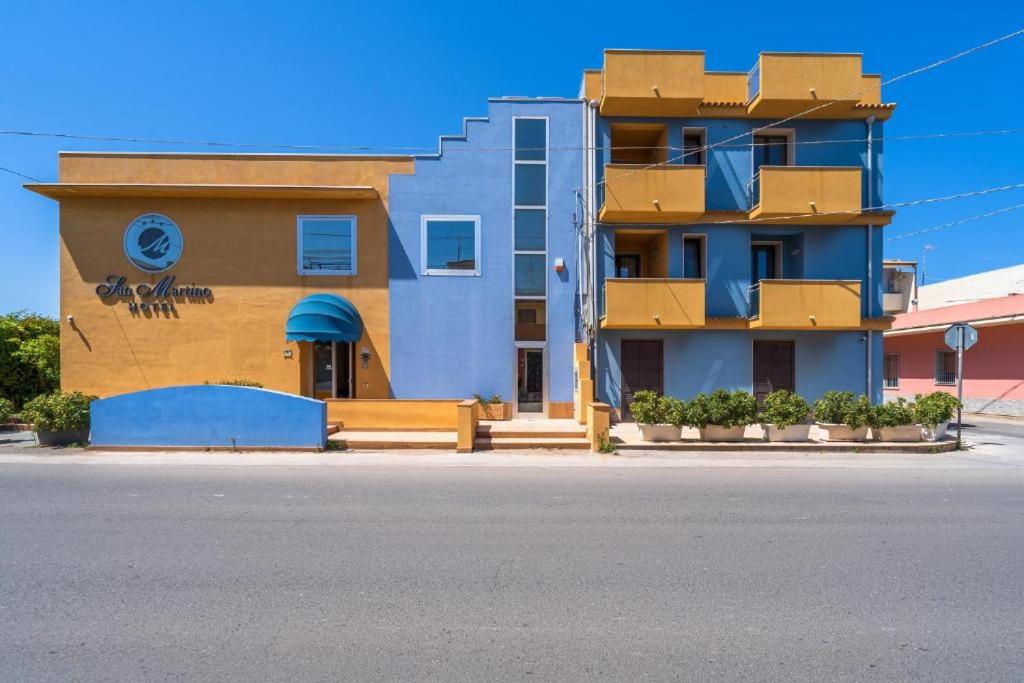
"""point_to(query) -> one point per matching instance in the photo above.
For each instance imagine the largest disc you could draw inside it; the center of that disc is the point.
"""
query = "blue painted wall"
(705, 360)
(209, 416)
(452, 337)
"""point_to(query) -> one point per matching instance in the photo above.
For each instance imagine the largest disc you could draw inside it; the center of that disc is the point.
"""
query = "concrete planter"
(834, 432)
(660, 432)
(495, 411)
(937, 434)
(50, 438)
(903, 433)
(787, 434)
(720, 433)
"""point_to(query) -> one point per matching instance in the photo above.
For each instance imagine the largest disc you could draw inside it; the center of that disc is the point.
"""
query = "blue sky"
(396, 74)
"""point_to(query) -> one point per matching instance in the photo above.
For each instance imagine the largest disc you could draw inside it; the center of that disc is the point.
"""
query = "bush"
(783, 408)
(6, 409)
(671, 411)
(236, 383)
(29, 356)
(59, 411)
(840, 407)
(644, 407)
(934, 408)
(898, 413)
(486, 403)
(728, 409)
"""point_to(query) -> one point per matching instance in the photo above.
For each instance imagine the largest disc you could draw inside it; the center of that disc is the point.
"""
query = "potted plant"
(59, 418)
(933, 412)
(894, 421)
(784, 417)
(723, 415)
(841, 417)
(659, 417)
(492, 408)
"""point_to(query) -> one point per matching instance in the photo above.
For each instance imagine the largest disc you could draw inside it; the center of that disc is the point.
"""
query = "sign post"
(960, 337)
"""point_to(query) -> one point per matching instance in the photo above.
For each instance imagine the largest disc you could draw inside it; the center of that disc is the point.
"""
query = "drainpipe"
(591, 213)
(871, 256)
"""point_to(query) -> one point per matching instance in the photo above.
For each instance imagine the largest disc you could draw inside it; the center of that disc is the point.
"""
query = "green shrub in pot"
(659, 417)
(644, 407)
(671, 411)
(894, 421)
(842, 417)
(722, 415)
(784, 415)
(59, 417)
(934, 411)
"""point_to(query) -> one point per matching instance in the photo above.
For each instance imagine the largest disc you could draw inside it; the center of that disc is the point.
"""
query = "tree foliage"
(29, 356)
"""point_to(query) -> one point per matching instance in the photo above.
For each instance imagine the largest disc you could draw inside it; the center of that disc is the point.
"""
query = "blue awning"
(324, 318)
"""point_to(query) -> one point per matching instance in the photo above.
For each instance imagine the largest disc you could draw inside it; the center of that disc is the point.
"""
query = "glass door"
(331, 370)
(530, 384)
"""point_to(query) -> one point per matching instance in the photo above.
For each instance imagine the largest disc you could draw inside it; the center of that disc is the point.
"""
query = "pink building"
(918, 361)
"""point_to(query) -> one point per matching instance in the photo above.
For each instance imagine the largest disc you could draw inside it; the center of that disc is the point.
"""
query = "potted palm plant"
(59, 418)
(933, 412)
(841, 417)
(659, 417)
(894, 421)
(723, 415)
(784, 417)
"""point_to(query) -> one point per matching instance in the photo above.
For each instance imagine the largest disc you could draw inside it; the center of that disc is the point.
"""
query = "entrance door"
(627, 265)
(774, 367)
(332, 370)
(642, 368)
(763, 262)
(530, 382)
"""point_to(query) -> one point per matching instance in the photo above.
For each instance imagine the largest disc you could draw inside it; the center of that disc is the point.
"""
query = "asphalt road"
(232, 573)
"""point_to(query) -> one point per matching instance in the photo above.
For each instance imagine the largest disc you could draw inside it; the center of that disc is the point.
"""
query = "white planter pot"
(832, 432)
(937, 434)
(659, 432)
(791, 433)
(898, 434)
(720, 433)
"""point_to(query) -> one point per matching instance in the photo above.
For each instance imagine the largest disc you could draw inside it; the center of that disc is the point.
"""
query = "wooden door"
(774, 367)
(642, 368)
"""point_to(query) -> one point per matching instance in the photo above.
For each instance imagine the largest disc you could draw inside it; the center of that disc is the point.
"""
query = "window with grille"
(891, 371)
(945, 367)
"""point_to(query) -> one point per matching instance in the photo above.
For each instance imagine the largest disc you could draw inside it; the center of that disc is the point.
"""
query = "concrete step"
(379, 441)
(495, 443)
(531, 430)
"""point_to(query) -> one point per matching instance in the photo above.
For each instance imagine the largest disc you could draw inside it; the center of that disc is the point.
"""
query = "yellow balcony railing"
(664, 194)
(809, 194)
(653, 303)
(805, 304)
(784, 84)
(652, 82)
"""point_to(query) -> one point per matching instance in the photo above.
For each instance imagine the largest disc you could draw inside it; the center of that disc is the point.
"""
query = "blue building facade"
(482, 260)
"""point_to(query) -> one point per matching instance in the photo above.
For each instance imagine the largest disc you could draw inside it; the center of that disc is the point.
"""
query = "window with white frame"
(450, 245)
(530, 219)
(327, 245)
(891, 371)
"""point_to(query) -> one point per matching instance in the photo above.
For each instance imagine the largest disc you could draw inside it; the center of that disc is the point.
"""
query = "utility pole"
(924, 265)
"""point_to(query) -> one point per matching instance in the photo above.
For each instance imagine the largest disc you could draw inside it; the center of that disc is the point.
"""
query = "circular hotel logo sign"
(153, 243)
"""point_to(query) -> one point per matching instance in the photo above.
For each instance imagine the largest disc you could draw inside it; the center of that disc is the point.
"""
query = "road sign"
(960, 337)
(970, 336)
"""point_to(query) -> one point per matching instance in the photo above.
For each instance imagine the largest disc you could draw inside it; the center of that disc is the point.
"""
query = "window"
(765, 261)
(693, 256)
(530, 273)
(945, 367)
(327, 245)
(693, 146)
(531, 139)
(531, 180)
(771, 150)
(450, 245)
(530, 320)
(627, 265)
(891, 371)
(530, 226)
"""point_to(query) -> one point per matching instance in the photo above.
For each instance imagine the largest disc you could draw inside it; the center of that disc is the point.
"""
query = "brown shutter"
(774, 367)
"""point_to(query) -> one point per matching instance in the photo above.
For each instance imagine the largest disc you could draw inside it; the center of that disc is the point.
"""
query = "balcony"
(785, 84)
(652, 83)
(805, 305)
(653, 303)
(666, 194)
(810, 194)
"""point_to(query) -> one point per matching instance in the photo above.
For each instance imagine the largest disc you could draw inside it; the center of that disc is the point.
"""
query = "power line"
(21, 175)
(955, 223)
(364, 148)
(913, 72)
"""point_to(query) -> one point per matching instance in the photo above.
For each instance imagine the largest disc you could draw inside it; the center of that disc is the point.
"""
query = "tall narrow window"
(891, 371)
(530, 222)
(450, 245)
(945, 367)
(327, 245)
(693, 256)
